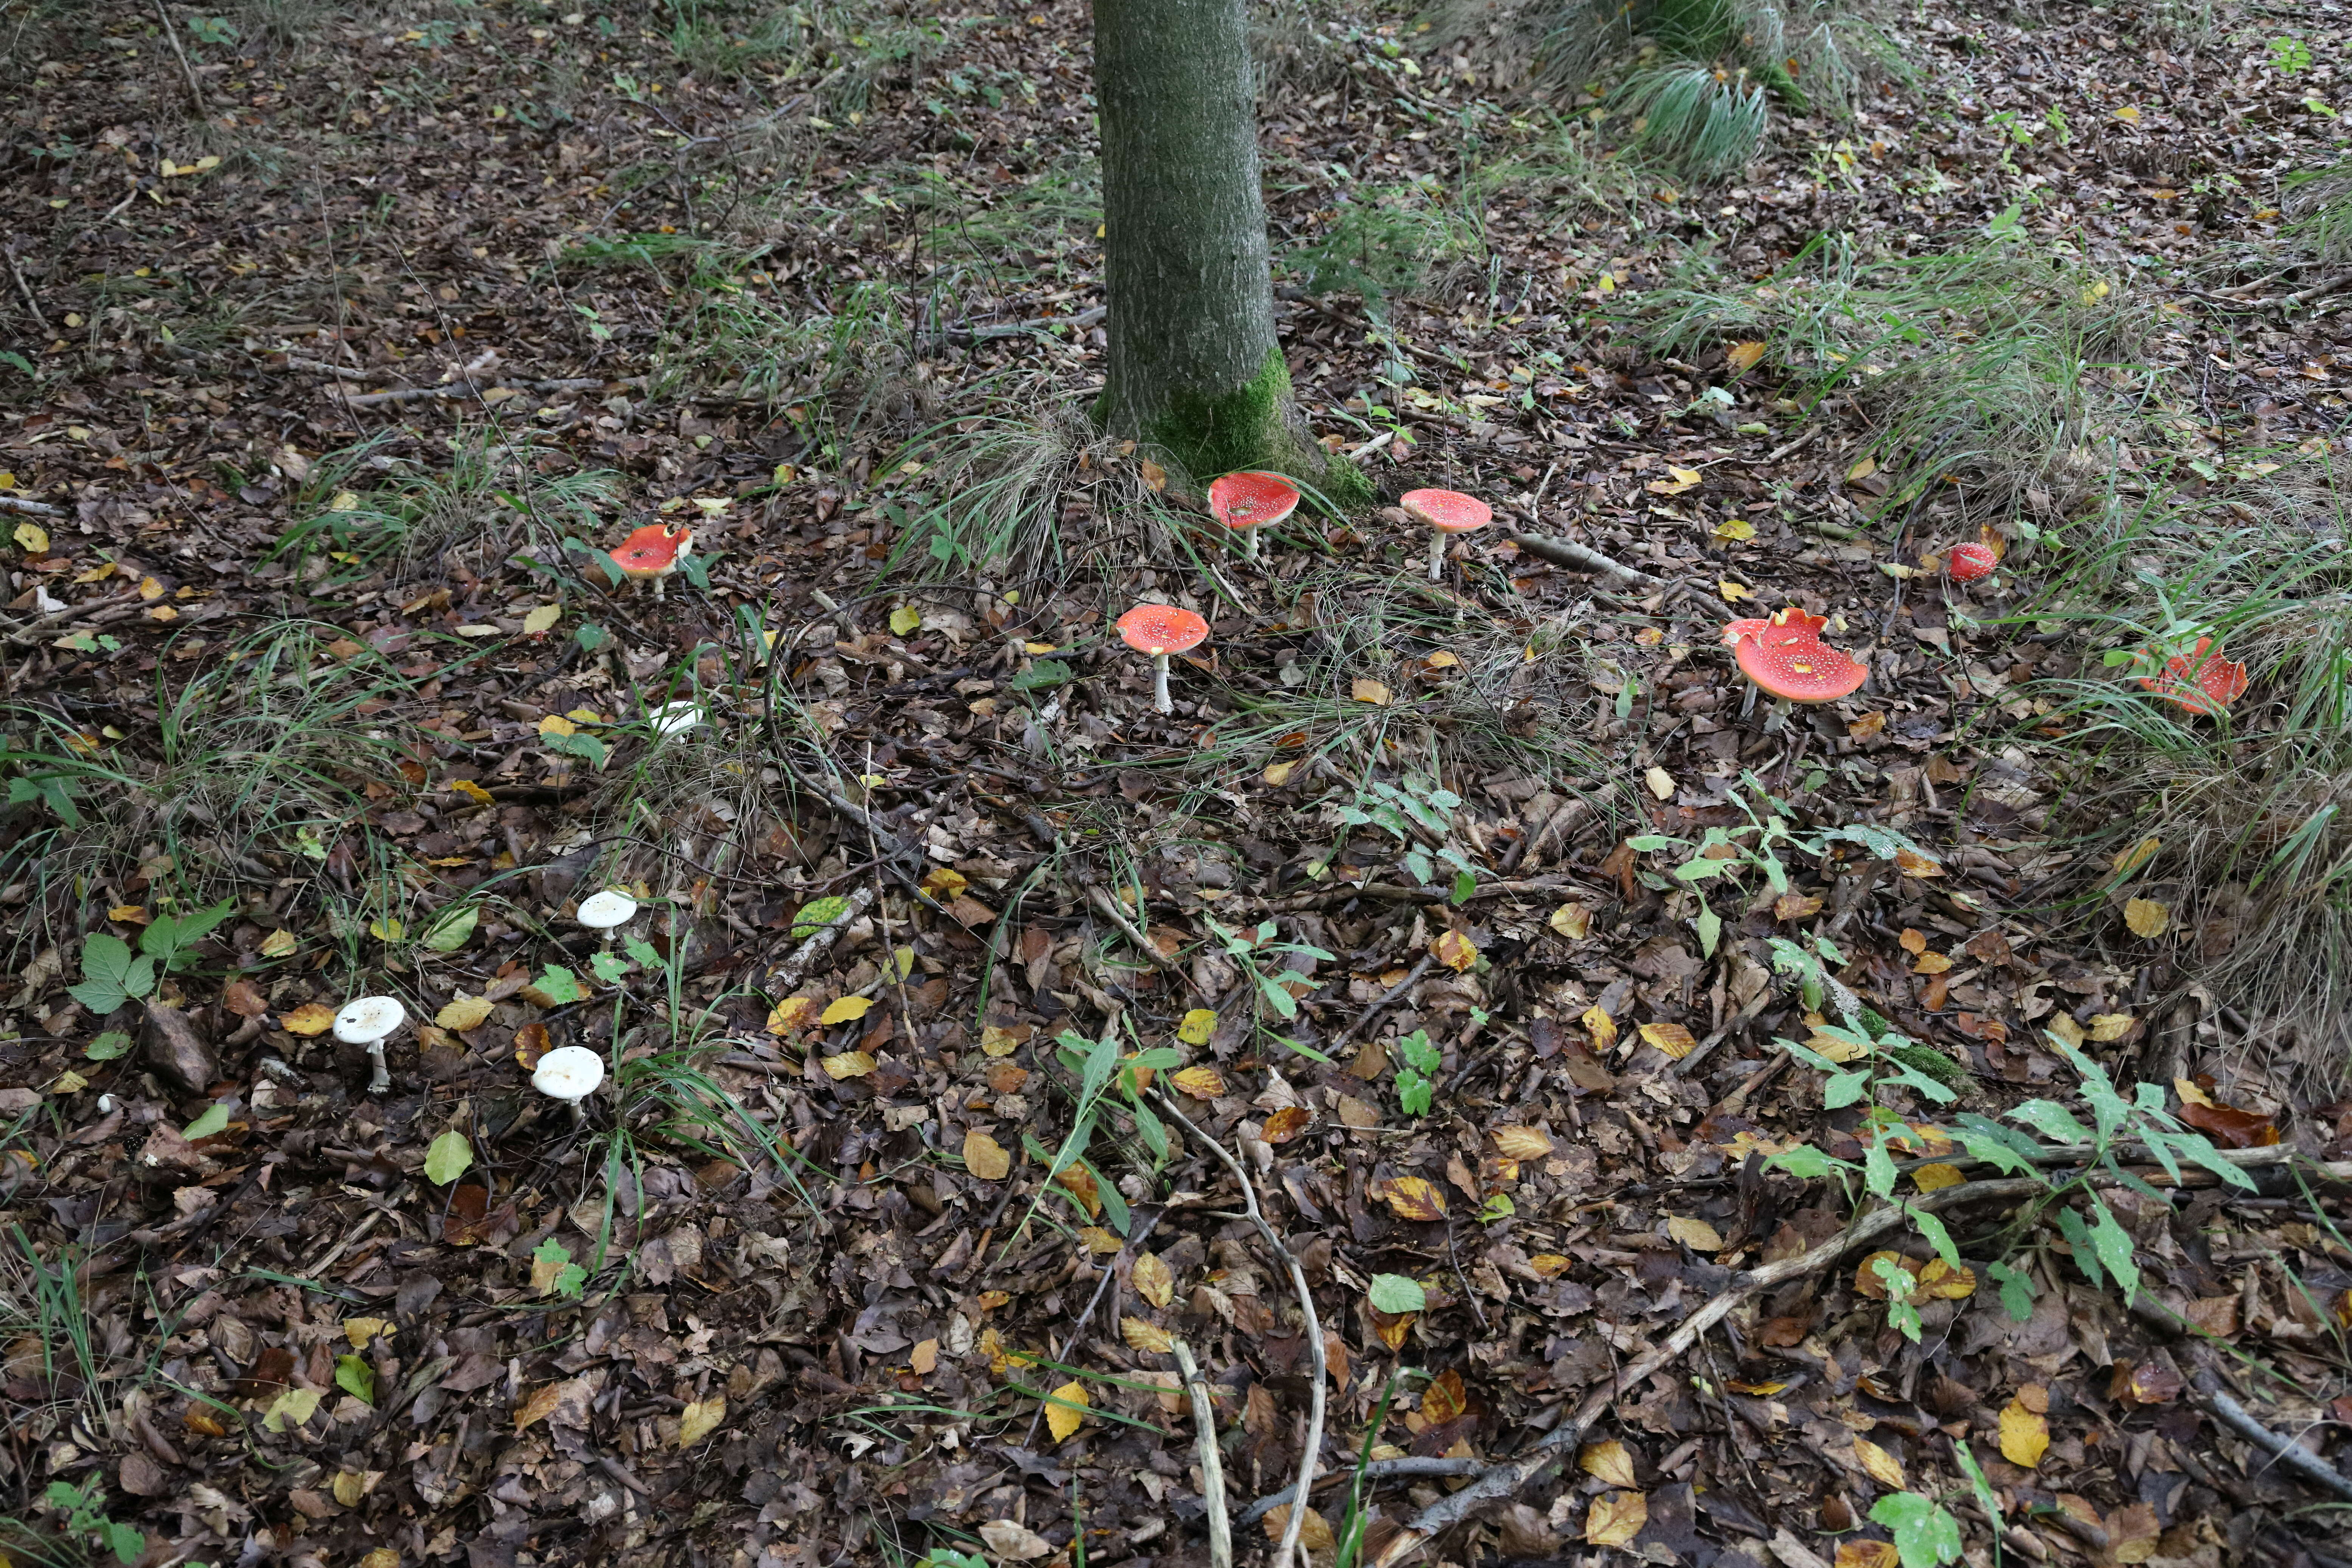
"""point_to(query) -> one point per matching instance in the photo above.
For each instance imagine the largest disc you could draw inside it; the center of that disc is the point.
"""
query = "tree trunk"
(1195, 372)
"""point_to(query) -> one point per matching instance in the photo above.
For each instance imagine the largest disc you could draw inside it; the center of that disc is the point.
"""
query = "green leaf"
(644, 952)
(1977, 1479)
(817, 914)
(1647, 842)
(1465, 884)
(1394, 1293)
(1878, 1169)
(2016, 1290)
(1843, 1089)
(1804, 1161)
(168, 937)
(1937, 1237)
(2078, 1240)
(107, 1046)
(1994, 1151)
(1926, 1533)
(2114, 1247)
(1498, 1207)
(2051, 1120)
(590, 637)
(559, 985)
(451, 930)
(127, 1542)
(111, 976)
(214, 1120)
(356, 1378)
(1041, 675)
(609, 966)
(2200, 1149)
(1416, 1093)
(290, 1410)
(450, 1156)
(588, 748)
(1709, 926)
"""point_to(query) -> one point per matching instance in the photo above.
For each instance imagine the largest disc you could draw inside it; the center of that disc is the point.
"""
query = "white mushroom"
(604, 911)
(570, 1074)
(370, 1021)
(672, 719)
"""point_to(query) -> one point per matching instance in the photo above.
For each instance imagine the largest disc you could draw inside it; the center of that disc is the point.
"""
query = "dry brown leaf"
(1143, 1335)
(924, 1359)
(1610, 1462)
(1615, 1518)
(1861, 1553)
(1286, 1124)
(984, 1157)
(1154, 1281)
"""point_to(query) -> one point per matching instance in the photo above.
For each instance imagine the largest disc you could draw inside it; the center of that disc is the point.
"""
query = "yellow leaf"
(1694, 1233)
(1155, 477)
(1866, 1554)
(279, 943)
(1549, 1265)
(945, 882)
(1197, 1026)
(1522, 1143)
(844, 1009)
(69, 1082)
(1615, 1518)
(149, 589)
(7, 480)
(997, 1041)
(1878, 1464)
(472, 792)
(1145, 1336)
(1684, 479)
(1099, 1240)
(1154, 1281)
(463, 1013)
(1937, 1177)
(543, 619)
(1200, 1083)
(2109, 1026)
(904, 619)
(1414, 1198)
(1605, 284)
(1743, 356)
(308, 1019)
(1278, 774)
(1454, 950)
(1659, 782)
(1939, 1281)
(1610, 1463)
(360, 1331)
(2146, 918)
(699, 1419)
(848, 1064)
(290, 1410)
(1862, 469)
(1931, 963)
(2024, 1435)
(32, 539)
(2066, 1029)
(1732, 592)
(984, 1157)
(557, 724)
(350, 1487)
(792, 1014)
(2131, 859)
(2128, 114)
(1065, 1412)
(1674, 1040)
(1601, 1026)
(1733, 530)
(1314, 1530)
(1573, 921)
(1372, 691)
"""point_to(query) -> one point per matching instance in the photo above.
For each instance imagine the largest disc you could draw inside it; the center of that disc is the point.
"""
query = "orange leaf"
(1286, 1124)
(1414, 1198)
(1454, 950)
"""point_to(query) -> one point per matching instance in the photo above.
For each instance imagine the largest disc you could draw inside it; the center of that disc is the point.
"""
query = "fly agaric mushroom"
(1249, 501)
(651, 553)
(2200, 680)
(1161, 630)
(604, 911)
(1747, 628)
(1970, 562)
(370, 1021)
(568, 1073)
(1445, 511)
(1789, 660)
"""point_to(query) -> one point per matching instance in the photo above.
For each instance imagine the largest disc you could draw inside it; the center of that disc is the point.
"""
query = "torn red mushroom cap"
(1968, 562)
(1252, 499)
(1753, 627)
(1450, 510)
(1789, 660)
(1159, 629)
(653, 550)
(2200, 680)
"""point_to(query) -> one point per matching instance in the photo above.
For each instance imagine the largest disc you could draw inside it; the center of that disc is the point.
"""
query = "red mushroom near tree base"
(1788, 660)
(2200, 680)
(1161, 630)
(651, 553)
(1249, 501)
(1970, 562)
(1445, 511)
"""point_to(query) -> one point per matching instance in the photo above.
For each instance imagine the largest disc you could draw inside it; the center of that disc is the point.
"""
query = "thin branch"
(1364, 1019)
(794, 969)
(36, 509)
(1378, 1469)
(2281, 1450)
(1288, 1550)
(1213, 1470)
(196, 90)
(30, 303)
(1567, 553)
(1507, 1479)
(1107, 907)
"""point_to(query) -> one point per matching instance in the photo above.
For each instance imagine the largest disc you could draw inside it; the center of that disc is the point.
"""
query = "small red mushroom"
(2200, 680)
(651, 553)
(1445, 511)
(1970, 562)
(1161, 630)
(1247, 502)
(1788, 660)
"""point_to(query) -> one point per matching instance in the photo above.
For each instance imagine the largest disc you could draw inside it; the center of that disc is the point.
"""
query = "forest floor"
(1600, 1047)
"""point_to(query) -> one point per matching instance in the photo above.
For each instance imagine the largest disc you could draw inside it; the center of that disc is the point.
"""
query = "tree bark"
(1195, 371)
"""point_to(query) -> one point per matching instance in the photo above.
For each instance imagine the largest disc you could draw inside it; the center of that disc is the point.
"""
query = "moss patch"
(1249, 427)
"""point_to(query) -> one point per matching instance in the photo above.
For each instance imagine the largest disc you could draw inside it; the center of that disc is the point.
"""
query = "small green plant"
(112, 975)
(553, 1273)
(1926, 1533)
(1251, 949)
(1420, 811)
(1416, 1080)
(1101, 1076)
(84, 1508)
(2289, 56)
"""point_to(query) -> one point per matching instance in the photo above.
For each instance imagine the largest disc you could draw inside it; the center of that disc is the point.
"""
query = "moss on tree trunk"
(1195, 371)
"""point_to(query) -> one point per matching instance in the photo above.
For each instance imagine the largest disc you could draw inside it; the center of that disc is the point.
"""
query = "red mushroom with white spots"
(1970, 562)
(2200, 680)
(651, 553)
(1445, 511)
(1247, 502)
(1160, 630)
(1787, 659)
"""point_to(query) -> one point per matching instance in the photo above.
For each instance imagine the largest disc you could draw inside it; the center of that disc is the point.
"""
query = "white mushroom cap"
(570, 1074)
(369, 1020)
(603, 910)
(672, 719)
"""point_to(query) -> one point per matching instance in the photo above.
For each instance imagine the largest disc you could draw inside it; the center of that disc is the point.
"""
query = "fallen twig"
(1364, 1019)
(1285, 1552)
(1107, 907)
(1567, 553)
(2282, 1450)
(1136, 1238)
(1379, 1469)
(36, 509)
(26, 291)
(195, 89)
(1504, 1479)
(790, 972)
(1212, 1471)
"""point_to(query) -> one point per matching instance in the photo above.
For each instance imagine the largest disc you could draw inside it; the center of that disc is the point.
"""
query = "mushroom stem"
(1160, 697)
(1436, 553)
(660, 584)
(1778, 720)
(1249, 544)
(380, 1081)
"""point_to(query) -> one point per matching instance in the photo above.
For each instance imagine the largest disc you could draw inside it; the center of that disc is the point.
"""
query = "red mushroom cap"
(1252, 499)
(2200, 680)
(1747, 628)
(1968, 562)
(1449, 510)
(1157, 629)
(1788, 659)
(654, 550)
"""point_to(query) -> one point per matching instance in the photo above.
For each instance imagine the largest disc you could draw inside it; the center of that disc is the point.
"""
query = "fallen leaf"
(309, 1018)
(360, 1330)
(1796, 906)
(1314, 1530)
(1065, 1410)
(1863, 1554)
(463, 1013)
(1454, 950)
(699, 1419)
(290, 1410)
(2108, 1027)
(792, 1014)
(1673, 1039)
(1602, 1028)
(1615, 1518)
(2133, 857)
(1286, 1124)
(1549, 1265)
(904, 619)
(1196, 1027)
(1733, 531)
(1695, 1234)
(1371, 691)
(1611, 1463)
(1005, 1538)
(1276, 775)
(1445, 1398)
(1141, 1335)
(543, 619)
(847, 1065)
(1878, 1464)
(846, 1009)
(1522, 1143)
(1742, 356)
(1099, 1242)
(1573, 921)
(2146, 918)
(32, 539)
(2024, 1435)
(984, 1157)
(1936, 1177)
(1931, 963)
(1200, 1083)
(1414, 1198)
(1732, 592)
(1683, 480)
(1154, 1281)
